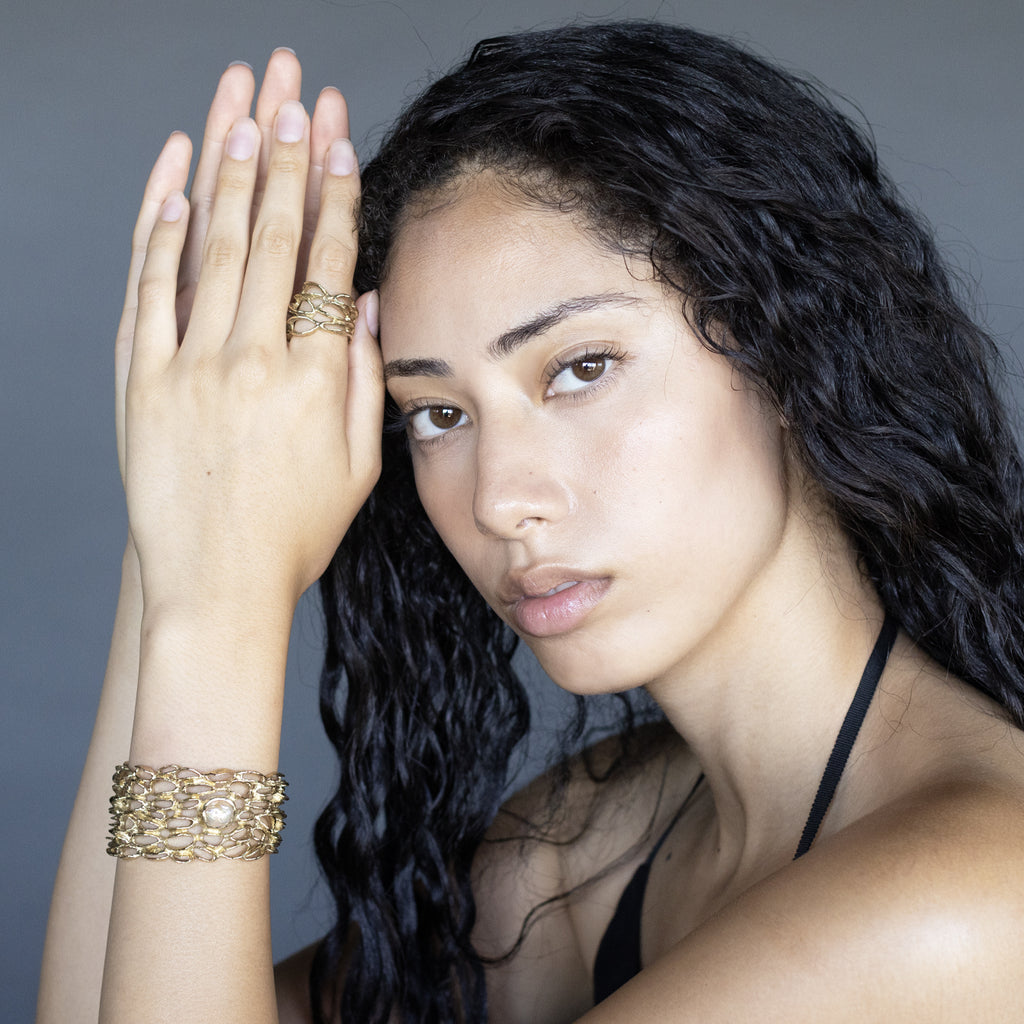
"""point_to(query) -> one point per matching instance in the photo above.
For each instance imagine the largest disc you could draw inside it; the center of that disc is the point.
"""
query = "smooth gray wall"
(89, 92)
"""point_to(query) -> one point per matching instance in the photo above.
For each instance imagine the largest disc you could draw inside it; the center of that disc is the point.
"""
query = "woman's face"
(615, 491)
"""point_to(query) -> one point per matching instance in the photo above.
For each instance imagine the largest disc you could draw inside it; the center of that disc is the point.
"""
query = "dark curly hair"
(750, 193)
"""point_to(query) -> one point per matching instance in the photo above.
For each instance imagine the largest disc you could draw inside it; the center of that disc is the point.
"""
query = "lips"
(560, 588)
(551, 600)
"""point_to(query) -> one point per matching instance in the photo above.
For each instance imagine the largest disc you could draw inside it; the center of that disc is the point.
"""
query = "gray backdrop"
(88, 92)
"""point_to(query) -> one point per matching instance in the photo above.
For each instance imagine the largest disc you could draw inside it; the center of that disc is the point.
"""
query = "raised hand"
(232, 100)
(282, 81)
(290, 437)
(245, 456)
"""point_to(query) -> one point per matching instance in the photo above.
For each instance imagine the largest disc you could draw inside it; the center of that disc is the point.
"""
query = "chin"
(587, 673)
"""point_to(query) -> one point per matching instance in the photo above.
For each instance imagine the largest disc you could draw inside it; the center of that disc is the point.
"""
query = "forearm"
(72, 969)
(192, 941)
(245, 459)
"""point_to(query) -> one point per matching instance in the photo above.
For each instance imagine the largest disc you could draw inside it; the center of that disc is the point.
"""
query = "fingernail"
(244, 63)
(242, 139)
(174, 206)
(291, 122)
(373, 312)
(341, 157)
(287, 49)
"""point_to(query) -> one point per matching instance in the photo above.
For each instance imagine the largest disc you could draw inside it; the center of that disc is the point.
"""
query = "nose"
(521, 481)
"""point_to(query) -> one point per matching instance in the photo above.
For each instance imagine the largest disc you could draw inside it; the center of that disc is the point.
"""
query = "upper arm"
(518, 883)
(521, 878)
(549, 890)
(545, 981)
(912, 914)
(542, 982)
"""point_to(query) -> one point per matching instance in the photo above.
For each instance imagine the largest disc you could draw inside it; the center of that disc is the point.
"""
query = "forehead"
(481, 258)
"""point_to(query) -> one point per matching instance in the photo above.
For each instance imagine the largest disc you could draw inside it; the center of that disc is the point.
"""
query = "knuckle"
(316, 377)
(275, 238)
(222, 252)
(231, 185)
(375, 373)
(252, 370)
(341, 211)
(289, 160)
(151, 290)
(138, 253)
(333, 255)
(140, 240)
(343, 201)
(202, 205)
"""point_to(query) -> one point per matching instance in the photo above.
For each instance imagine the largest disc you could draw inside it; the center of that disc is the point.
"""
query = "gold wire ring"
(316, 309)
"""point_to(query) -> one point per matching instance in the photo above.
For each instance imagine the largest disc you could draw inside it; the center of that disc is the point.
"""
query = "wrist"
(247, 616)
(186, 595)
(211, 683)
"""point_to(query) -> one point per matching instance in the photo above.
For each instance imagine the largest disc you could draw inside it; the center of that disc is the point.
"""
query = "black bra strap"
(848, 733)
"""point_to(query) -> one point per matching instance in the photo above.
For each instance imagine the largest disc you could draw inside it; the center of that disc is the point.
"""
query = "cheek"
(446, 493)
(437, 500)
(697, 470)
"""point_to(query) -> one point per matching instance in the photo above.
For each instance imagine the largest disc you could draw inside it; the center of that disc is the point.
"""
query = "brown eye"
(444, 417)
(434, 420)
(576, 374)
(588, 369)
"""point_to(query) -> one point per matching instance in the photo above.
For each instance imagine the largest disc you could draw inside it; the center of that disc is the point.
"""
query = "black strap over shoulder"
(848, 733)
(618, 955)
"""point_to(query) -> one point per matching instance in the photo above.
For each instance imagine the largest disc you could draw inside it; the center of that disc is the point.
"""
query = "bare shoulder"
(291, 982)
(913, 912)
(537, 866)
(545, 842)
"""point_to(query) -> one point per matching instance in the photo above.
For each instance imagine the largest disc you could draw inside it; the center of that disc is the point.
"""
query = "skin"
(726, 589)
(200, 356)
(609, 450)
(661, 479)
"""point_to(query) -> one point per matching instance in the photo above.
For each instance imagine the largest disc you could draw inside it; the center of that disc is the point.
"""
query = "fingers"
(231, 101)
(364, 411)
(330, 122)
(281, 82)
(356, 366)
(277, 234)
(242, 281)
(156, 329)
(169, 174)
(332, 253)
(225, 251)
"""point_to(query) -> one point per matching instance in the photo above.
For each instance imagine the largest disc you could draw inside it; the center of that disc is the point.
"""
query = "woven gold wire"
(316, 309)
(180, 814)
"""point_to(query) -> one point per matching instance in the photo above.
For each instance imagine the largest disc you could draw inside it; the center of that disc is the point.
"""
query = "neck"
(761, 700)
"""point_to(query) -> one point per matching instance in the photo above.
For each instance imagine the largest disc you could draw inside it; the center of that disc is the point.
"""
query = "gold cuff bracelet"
(175, 813)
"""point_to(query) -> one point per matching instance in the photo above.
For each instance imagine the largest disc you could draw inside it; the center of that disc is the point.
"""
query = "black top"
(618, 955)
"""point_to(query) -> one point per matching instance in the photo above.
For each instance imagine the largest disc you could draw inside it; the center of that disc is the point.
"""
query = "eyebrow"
(515, 337)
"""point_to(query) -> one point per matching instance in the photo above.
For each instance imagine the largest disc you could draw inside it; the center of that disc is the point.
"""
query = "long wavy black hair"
(764, 206)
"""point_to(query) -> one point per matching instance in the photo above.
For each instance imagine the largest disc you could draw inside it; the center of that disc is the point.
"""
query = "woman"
(685, 397)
